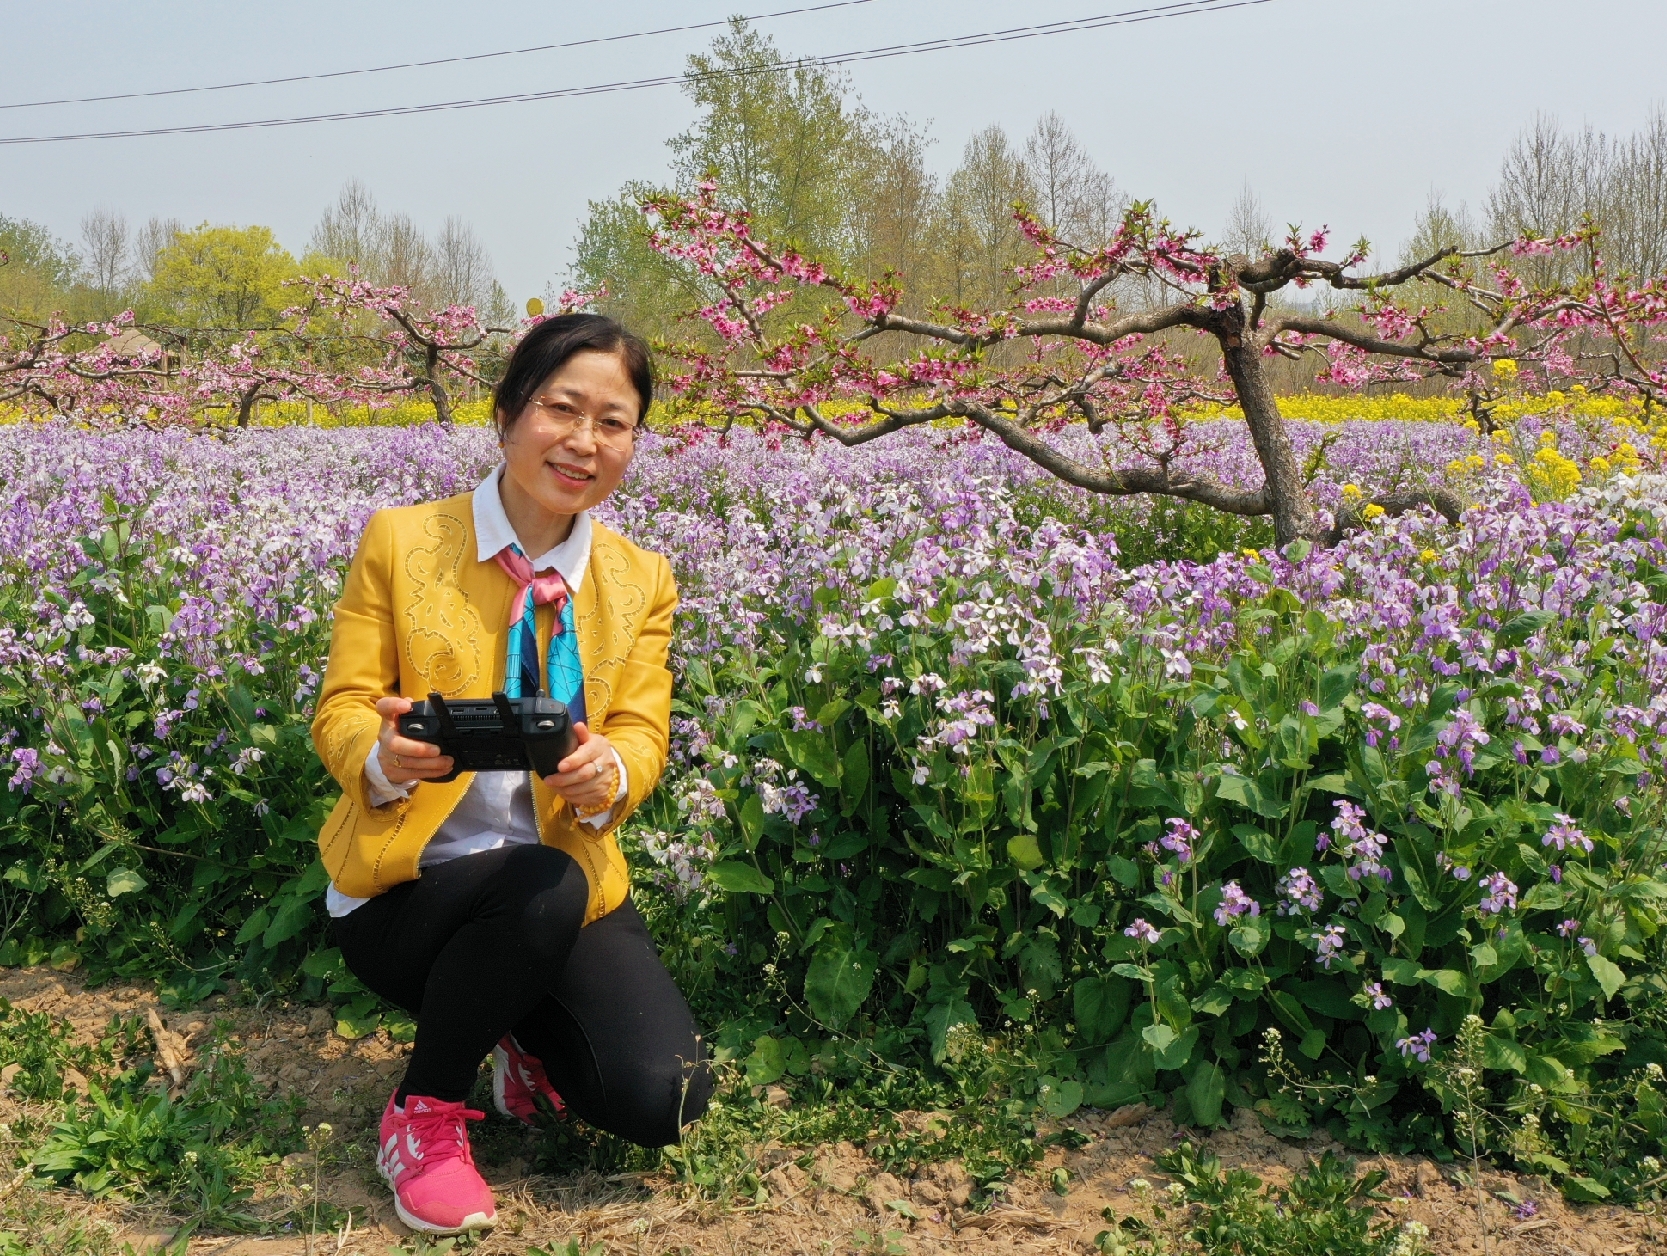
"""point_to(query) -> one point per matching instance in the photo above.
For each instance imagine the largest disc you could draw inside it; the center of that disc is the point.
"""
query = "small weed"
(206, 1147)
(42, 1047)
(1322, 1213)
(888, 1243)
(570, 1248)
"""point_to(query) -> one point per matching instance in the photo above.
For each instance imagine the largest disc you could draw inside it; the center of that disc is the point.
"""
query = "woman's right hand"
(402, 759)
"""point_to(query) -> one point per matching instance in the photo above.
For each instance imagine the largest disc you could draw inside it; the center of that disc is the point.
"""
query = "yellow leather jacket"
(421, 613)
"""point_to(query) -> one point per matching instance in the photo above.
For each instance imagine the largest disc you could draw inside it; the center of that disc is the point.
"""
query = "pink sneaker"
(518, 1079)
(424, 1156)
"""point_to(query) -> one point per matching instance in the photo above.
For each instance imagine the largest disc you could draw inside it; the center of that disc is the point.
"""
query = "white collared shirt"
(497, 808)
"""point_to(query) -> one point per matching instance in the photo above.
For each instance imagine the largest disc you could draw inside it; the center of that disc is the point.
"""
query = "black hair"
(546, 349)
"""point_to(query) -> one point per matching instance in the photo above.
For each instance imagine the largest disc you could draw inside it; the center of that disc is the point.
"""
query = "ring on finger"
(597, 764)
(397, 762)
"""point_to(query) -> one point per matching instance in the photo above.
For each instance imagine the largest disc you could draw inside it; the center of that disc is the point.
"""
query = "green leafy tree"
(37, 269)
(222, 277)
(782, 139)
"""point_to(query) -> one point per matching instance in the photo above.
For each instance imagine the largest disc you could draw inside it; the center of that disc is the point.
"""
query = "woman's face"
(572, 443)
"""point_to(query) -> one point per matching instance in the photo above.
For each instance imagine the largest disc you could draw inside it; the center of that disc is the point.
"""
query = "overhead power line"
(1181, 8)
(421, 65)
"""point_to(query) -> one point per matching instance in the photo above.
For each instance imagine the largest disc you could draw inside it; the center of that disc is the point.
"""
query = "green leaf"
(1251, 935)
(1214, 1001)
(740, 878)
(1520, 627)
(840, 977)
(1245, 792)
(1134, 972)
(854, 779)
(1124, 871)
(1504, 1054)
(1025, 851)
(752, 820)
(1257, 844)
(816, 754)
(1607, 974)
(123, 881)
(941, 1018)
(1205, 1092)
(1313, 1044)
(1584, 1190)
(767, 1062)
(1403, 972)
(1059, 1098)
(1159, 1037)
(1099, 1005)
(1177, 1053)
(1448, 981)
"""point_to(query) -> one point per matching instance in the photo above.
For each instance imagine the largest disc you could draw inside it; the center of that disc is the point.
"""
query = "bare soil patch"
(819, 1199)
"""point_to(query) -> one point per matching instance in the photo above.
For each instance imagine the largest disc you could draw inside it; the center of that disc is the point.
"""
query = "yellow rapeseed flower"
(1428, 556)
(1352, 490)
(1505, 369)
(1372, 511)
(1504, 460)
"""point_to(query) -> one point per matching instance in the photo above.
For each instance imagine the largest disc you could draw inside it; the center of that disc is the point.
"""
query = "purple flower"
(1526, 1209)
(1179, 839)
(1142, 931)
(1308, 708)
(1328, 943)
(1556, 874)
(1568, 927)
(1380, 1000)
(1298, 891)
(1550, 755)
(27, 763)
(1235, 903)
(1501, 895)
(1417, 1046)
(1564, 834)
(1587, 945)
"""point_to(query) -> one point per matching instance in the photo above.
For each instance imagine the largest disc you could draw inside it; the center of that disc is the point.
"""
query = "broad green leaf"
(840, 977)
(854, 778)
(1214, 1001)
(1124, 871)
(1448, 981)
(752, 820)
(1257, 844)
(1251, 935)
(1159, 1037)
(1099, 1005)
(1059, 1098)
(1584, 1190)
(941, 1018)
(1025, 851)
(1520, 627)
(1205, 1091)
(1504, 1054)
(1313, 1044)
(1607, 974)
(740, 878)
(767, 1062)
(123, 881)
(816, 754)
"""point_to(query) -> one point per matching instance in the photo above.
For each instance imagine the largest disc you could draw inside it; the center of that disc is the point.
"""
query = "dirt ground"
(828, 1209)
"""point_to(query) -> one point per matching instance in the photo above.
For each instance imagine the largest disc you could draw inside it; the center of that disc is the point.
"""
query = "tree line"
(217, 276)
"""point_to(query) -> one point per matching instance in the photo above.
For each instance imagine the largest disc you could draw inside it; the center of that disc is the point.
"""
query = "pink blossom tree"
(1091, 336)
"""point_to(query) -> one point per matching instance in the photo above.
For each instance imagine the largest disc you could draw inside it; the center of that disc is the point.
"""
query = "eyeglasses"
(560, 420)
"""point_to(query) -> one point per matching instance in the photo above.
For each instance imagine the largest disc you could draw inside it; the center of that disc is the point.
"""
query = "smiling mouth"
(571, 473)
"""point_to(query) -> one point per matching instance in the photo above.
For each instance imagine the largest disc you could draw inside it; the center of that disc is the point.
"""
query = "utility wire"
(417, 65)
(1181, 8)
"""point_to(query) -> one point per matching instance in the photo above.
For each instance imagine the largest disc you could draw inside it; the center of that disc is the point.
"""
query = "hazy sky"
(1347, 112)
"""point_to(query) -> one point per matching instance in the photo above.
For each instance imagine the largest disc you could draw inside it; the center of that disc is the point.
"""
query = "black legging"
(489, 943)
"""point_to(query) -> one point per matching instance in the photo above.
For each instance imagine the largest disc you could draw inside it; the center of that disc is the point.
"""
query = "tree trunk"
(1293, 513)
(437, 390)
(246, 404)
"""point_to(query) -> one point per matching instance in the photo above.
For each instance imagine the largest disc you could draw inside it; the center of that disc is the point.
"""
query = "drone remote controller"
(499, 734)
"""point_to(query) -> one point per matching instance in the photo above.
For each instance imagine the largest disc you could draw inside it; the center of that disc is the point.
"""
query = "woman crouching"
(496, 907)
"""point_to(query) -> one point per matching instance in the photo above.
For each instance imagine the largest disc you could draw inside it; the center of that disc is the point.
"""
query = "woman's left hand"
(589, 777)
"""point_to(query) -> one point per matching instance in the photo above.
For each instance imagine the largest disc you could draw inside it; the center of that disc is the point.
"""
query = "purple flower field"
(942, 753)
